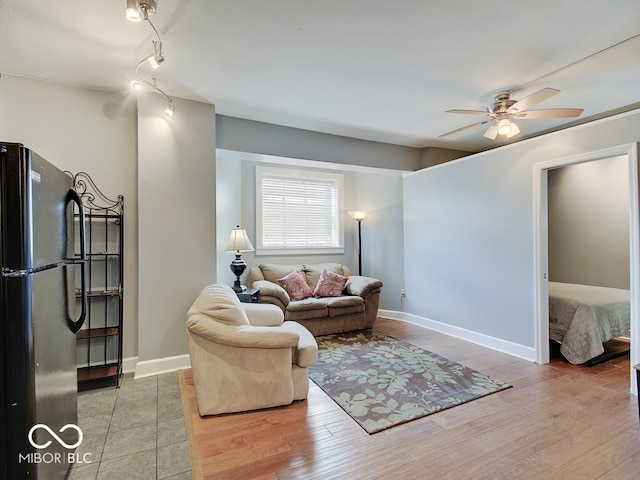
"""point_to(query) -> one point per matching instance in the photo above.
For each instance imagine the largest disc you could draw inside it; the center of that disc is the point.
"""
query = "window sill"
(299, 251)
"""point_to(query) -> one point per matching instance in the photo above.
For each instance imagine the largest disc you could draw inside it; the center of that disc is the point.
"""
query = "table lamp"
(238, 242)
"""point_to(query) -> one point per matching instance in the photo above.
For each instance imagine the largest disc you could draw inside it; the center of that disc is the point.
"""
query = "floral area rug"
(381, 381)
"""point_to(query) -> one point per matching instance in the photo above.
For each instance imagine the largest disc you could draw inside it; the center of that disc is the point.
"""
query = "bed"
(582, 317)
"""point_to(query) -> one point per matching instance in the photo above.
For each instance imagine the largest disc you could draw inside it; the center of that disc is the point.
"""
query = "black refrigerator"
(41, 308)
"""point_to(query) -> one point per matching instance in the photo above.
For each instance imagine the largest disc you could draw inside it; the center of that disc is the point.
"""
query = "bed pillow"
(330, 284)
(295, 285)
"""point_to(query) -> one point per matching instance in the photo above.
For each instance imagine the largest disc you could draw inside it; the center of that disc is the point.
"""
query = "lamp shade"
(239, 241)
(514, 130)
(357, 214)
(504, 126)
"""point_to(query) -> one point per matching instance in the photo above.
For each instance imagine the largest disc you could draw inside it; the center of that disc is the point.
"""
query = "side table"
(250, 295)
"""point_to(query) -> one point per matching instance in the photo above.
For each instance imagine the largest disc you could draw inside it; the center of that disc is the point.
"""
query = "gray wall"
(78, 129)
(376, 191)
(176, 188)
(469, 231)
(589, 223)
(170, 253)
(263, 138)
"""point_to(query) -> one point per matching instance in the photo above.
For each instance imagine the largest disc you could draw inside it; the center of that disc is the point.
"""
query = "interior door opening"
(542, 246)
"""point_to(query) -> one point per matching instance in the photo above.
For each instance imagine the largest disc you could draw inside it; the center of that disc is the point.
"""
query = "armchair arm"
(305, 352)
(272, 293)
(362, 286)
(263, 314)
(242, 336)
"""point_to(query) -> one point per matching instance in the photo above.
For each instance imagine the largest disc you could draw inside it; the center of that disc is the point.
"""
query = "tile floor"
(136, 431)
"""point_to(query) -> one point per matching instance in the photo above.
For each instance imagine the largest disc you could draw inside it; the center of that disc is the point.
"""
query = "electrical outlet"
(403, 292)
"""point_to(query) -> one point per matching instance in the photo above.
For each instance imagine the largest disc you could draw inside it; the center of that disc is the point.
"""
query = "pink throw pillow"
(295, 285)
(330, 284)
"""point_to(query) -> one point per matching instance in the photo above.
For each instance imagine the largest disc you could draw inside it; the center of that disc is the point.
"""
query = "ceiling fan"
(504, 108)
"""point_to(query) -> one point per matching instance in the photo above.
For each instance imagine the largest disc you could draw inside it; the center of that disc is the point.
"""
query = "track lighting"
(137, 86)
(146, 7)
(133, 11)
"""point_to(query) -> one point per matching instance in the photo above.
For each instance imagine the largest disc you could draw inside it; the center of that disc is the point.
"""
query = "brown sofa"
(355, 309)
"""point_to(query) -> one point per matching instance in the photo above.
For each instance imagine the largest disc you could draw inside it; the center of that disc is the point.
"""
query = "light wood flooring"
(559, 421)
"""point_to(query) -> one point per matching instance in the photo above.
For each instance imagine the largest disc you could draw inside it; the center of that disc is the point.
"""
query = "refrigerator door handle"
(75, 325)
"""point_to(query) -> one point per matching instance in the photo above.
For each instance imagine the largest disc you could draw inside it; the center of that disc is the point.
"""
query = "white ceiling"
(383, 70)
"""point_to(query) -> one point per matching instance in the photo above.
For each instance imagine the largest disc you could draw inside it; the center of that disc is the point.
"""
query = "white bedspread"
(581, 317)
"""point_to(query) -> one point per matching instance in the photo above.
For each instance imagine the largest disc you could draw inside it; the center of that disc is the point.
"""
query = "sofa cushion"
(307, 309)
(295, 285)
(312, 272)
(344, 305)
(273, 272)
(330, 284)
(220, 303)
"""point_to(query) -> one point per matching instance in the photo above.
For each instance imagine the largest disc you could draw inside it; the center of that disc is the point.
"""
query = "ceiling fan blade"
(550, 113)
(469, 112)
(533, 99)
(464, 128)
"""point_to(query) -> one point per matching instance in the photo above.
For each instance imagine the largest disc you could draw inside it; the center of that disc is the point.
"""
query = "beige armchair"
(244, 356)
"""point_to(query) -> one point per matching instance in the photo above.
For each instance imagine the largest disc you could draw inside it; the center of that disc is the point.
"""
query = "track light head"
(148, 7)
(157, 58)
(155, 61)
(136, 86)
(170, 109)
(139, 9)
(133, 12)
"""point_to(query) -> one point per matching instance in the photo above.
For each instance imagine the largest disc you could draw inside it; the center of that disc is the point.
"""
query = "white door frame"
(541, 272)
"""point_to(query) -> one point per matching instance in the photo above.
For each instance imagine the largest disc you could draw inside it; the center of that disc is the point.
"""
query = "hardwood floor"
(559, 421)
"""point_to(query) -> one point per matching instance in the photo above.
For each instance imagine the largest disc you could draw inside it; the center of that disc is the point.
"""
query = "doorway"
(542, 248)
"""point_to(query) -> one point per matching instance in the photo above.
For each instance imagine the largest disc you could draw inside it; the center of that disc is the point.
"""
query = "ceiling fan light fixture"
(514, 130)
(492, 132)
(504, 108)
(504, 126)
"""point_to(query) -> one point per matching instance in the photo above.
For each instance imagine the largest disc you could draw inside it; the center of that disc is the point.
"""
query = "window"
(298, 211)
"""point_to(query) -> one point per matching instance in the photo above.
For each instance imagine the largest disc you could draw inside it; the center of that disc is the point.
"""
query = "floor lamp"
(359, 215)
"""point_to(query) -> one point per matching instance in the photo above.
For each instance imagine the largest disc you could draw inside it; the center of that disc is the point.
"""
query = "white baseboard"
(504, 346)
(157, 366)
(129, 364)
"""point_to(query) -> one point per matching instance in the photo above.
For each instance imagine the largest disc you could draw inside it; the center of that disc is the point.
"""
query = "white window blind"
(298, 211)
